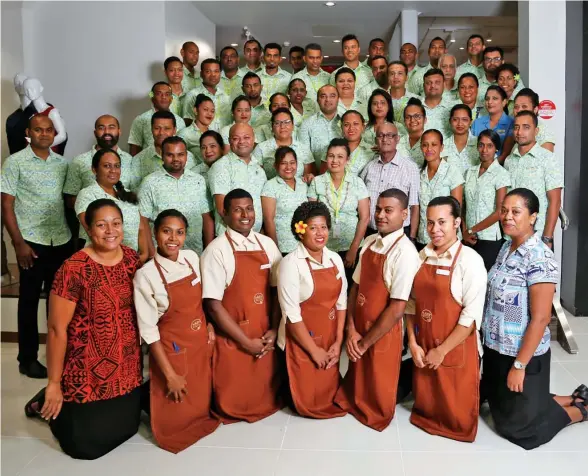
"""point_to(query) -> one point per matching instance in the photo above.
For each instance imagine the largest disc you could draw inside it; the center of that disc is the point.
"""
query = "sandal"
(582, 409)
(581, 393)
(30, 412)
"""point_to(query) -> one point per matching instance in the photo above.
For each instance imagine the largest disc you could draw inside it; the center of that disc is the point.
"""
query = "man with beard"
(379, 66)
(211, 87)
(351, 51)
(231, 75)
(296, 58)
(190, 55)
(320, 128)
(252, 52)
(140, 136)
(80, 175)
(313, 75)
(252, 88)
(273, 78)
(34, 216)
(436, 107)
(437, 48)
(493, 59)
(237, 169)
(175, 186)
(397, 77)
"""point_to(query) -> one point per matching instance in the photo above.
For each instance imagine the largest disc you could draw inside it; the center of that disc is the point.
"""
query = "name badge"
(444, 272)
(195, 281)
(265, 266)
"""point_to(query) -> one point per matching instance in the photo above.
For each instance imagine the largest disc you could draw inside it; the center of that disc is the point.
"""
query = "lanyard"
(336, 204)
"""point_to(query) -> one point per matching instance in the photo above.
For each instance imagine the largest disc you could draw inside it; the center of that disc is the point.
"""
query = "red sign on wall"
(546, 109)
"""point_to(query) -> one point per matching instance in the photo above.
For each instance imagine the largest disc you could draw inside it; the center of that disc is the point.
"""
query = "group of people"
(263, 223)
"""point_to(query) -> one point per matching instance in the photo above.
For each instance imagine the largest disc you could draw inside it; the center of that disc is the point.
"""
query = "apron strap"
(394, 244)
(454, 262)
(230, 240)
(159, 269)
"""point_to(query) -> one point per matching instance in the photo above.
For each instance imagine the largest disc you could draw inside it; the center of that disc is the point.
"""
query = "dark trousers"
(3, 255)
(488, 250)
(32, 282)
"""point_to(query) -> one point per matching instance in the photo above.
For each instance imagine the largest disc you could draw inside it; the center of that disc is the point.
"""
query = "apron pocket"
(179, 362)
(301, 354)
(455, 358)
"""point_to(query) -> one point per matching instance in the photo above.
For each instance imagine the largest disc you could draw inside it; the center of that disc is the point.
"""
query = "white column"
(542, 60)
(395, 43)
(409, 22)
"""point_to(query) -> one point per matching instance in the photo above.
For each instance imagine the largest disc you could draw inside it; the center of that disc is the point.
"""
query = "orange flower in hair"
(300, 227)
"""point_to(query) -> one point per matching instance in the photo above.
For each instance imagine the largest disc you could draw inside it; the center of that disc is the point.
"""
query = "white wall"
(184, 22)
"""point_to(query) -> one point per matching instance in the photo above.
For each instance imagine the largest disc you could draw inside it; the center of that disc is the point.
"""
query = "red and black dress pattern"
(103, 356)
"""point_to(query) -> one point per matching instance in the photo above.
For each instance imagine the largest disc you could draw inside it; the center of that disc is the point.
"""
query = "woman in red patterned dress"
(92, 399)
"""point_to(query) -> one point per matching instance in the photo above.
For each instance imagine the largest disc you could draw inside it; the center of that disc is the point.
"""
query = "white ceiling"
(302, 22)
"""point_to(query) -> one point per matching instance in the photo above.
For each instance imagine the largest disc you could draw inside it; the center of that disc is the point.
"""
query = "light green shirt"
(545, 134)
(160, 191)
(468, 67)
(511, 101)
(141, 134)
(366, 91)
(265, 154)
(287, 201)
(233, 87)
(414, 152)
(480, 197)
(343, 205)
(445, 180)
(148, 161)
(190, 80)
(313, 83)
(191, 136)
(539, 171)
(464, 160)
(277, 83)
(399, 104)
(359, 159)
(363, 75)
(451, 95)
(260, 115)
(222, 104)
(438, 117)
(177, 104)
(417, 81)
(130, 211)
(37, 186)
(80, 175)
(317, 132)
(244, 70)
(230, 172)
(483, 85)
(409, 77)
(356, 105)
(308, 109)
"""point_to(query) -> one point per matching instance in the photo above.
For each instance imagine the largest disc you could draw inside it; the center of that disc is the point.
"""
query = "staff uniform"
(232, 86)
(363, 75)
(356, 105)
(313, 83)
(416, 81)
(400, 104)
(239, 271)
(287, 201)
(413, 152)
(448, 291)
(539, 171)
(531, 418)
(364, 93)
(317, 132)
(386, 270)
(311, 292)
(191, 136)
(504, 127)
(410, 83)
(141, 134)
(358, 159)
(168, 298)
(445, 180)
(464, 160)
(468, 67)
(309, 108)
(177, 104)
(265, 155)
(190, 80)
(260, 115)
(438, 116)
(480, 198)
(148, 161)
(275, 83)
(545, 133)
(231, 172)
(221, 100)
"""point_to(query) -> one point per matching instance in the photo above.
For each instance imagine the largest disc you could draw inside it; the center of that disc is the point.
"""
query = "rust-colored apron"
(313, 390)
(184, 336)
(446, 399)
(246, 388)
(370, 385)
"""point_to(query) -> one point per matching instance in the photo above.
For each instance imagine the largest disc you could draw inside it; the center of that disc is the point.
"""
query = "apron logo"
(426, 315)
(196, 324)
(332, 314)
(258, 298)
(360, 299)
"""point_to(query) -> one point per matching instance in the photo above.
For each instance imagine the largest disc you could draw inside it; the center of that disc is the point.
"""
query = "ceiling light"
(461, 48)
(234, 44)
(336, 41)
(326, 56)
(283, 57)
(452, 38)
(330, 4)
(489, 38)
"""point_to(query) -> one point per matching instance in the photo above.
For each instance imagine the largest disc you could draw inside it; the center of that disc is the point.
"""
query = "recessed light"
(336, 41)
(330, 4)
(489, 40)
(283, 57)
(234, 44)
(461, 48)
(326, 56)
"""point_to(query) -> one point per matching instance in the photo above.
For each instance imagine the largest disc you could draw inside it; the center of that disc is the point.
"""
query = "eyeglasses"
(413, 117)
(492, 60)
(389, 136)
(287, 122)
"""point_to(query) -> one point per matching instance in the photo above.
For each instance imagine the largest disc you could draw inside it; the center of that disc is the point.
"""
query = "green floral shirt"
(445, 180)
(80, 175)
(356, 105)
(313, 83)
(464, 160)
(539, 171)
(130, 211)
(148, 161)
(177, 105)
(346, 201)
(221, 100)
(141, 134)
(415, 153)
(160, 191)
(468, 67)
(363, 75)
(260, 115)
(400, 103)
(191, 136)
(480, 197)
(438, 117)
(309, 108)
(277, 83)
(190, 80)
(265, 154)
(317, 132)
(416, 80)
(287, 201)
(545, 134)
(230, 172)
(410, 83)
(233, 87)
(37, 186)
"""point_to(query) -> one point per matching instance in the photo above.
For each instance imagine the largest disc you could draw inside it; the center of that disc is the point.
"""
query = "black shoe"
(33, 370)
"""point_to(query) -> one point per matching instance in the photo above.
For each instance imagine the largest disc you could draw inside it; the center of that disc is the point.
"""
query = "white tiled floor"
(285, 444)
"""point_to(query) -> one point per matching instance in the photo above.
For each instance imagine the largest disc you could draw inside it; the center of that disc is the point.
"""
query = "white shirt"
(468, 283)
(151, 299)
(295, 284)
(401, 264)
(218, 261)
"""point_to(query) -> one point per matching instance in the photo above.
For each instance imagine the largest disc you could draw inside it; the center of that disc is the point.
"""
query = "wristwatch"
(470, 231)
(519, 365)
(548, 240)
